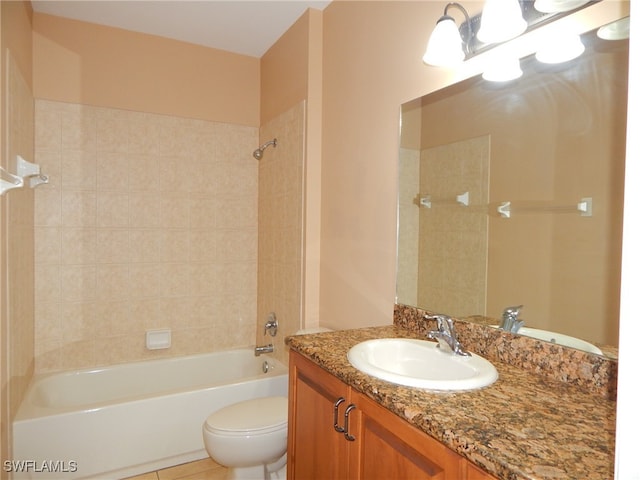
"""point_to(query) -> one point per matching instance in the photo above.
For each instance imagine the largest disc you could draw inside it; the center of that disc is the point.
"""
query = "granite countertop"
(524, 426)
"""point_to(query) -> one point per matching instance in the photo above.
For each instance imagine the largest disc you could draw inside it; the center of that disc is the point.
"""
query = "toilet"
(249, 438)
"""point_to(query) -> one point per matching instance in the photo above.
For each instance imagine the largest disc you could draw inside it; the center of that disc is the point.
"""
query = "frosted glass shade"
(560, 48)
(617, 30)
(445, 44)
(503, 69)
(501, 21)
(556, 6)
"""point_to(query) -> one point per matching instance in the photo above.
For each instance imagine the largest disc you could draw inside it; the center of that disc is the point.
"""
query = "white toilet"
(249, 438)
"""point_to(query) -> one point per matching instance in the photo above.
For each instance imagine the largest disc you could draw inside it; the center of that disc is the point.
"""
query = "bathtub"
(123, 420)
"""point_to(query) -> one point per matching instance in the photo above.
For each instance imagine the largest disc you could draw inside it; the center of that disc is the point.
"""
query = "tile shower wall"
(280, 227)
(149, 221)
(456, 282)
(409, 218)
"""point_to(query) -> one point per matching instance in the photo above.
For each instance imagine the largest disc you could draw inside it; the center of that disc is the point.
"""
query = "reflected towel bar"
(427, 201)
(584, 207)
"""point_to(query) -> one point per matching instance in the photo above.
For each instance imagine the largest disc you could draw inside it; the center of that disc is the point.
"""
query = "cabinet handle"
(337, 427)
(347, 435)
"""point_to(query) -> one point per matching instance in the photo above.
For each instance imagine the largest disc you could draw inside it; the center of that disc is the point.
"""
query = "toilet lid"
(256, 415)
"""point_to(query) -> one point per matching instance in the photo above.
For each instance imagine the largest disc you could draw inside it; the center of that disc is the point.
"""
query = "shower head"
(257, 154)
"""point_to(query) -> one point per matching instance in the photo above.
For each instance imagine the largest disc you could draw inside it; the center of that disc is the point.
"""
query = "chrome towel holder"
(24, 170)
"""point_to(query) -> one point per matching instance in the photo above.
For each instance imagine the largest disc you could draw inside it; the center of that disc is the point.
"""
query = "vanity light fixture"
(446, 47)
(501, 21)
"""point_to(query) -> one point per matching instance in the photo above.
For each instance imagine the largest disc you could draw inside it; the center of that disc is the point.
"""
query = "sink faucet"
(446, 335)
(510, 322)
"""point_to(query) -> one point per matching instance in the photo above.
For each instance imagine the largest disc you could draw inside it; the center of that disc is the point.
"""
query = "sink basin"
(419, 363)
(559, 338)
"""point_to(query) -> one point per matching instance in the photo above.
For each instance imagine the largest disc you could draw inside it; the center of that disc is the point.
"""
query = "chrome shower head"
(257, 154)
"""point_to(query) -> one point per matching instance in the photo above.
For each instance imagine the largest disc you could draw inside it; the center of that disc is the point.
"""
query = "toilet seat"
(257, 416)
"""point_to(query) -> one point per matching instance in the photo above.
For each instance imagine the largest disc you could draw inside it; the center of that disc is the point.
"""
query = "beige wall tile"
(280, 228)
(112, 245)
(77, 283)
(78, 169)
(78, 128)
(48, 246)
(48, 208)
(112, 171)
(152, 223)
(78, 246)
(78, 208)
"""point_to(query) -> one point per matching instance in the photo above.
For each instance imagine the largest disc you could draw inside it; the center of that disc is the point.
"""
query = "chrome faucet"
(446, 335)
(270, 327)
(510, 322)
(263, 349)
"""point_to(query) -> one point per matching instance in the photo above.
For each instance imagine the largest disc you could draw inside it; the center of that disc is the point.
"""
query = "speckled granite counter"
(524, 426)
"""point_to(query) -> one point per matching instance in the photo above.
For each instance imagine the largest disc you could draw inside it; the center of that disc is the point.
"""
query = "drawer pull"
(347, 435)
(337, 427)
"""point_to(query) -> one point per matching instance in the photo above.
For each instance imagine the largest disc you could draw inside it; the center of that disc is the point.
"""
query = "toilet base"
(273, 471)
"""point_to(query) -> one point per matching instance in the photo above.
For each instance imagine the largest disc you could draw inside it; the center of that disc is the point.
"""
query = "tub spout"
(263, 349)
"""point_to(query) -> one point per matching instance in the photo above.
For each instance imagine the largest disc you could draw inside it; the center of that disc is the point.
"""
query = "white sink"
(419, 363)
(559, 338)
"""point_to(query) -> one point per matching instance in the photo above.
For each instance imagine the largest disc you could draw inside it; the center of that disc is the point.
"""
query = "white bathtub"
(114, 422)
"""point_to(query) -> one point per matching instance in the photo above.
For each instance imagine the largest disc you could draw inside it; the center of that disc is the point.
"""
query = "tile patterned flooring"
(205, 469)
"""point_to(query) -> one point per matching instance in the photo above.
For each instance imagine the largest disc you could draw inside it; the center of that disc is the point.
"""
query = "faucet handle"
(446, 334)
(515, 310)
(445, 324)
(271, 326)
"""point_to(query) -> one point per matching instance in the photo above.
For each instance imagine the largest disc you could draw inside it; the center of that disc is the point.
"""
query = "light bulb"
(501, 20)
(560, 48)
(503, 69)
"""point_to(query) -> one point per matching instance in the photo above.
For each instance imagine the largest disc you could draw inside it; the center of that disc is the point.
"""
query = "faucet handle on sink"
(445, 324)
(445, 334)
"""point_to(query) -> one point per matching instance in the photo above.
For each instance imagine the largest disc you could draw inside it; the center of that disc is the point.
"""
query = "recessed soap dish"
(158, 339)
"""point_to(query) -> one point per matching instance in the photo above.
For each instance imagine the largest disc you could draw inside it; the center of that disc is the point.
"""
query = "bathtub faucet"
(263, 349)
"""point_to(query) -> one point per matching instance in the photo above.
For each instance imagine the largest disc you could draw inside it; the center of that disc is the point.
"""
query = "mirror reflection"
(512, 194)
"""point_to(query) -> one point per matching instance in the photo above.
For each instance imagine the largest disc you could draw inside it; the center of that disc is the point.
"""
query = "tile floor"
(205, 469)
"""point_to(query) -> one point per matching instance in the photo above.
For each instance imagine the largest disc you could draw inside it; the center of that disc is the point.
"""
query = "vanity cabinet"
(337, 433)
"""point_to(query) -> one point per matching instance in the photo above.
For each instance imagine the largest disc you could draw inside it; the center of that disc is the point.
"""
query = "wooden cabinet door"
(391, 448)
(315, 449)
(383, 446)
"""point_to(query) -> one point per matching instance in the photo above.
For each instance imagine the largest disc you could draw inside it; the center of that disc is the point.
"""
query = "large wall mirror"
(512, 194)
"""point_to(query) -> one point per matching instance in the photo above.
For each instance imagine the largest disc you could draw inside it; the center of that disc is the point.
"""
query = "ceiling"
(247, 27)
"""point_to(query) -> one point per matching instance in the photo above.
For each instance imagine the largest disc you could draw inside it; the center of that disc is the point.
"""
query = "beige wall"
(372, 59)
(284, 75)
(16, 214)
(89, 64)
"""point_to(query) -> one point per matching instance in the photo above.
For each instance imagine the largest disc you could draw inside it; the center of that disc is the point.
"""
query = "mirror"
(512, 194)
